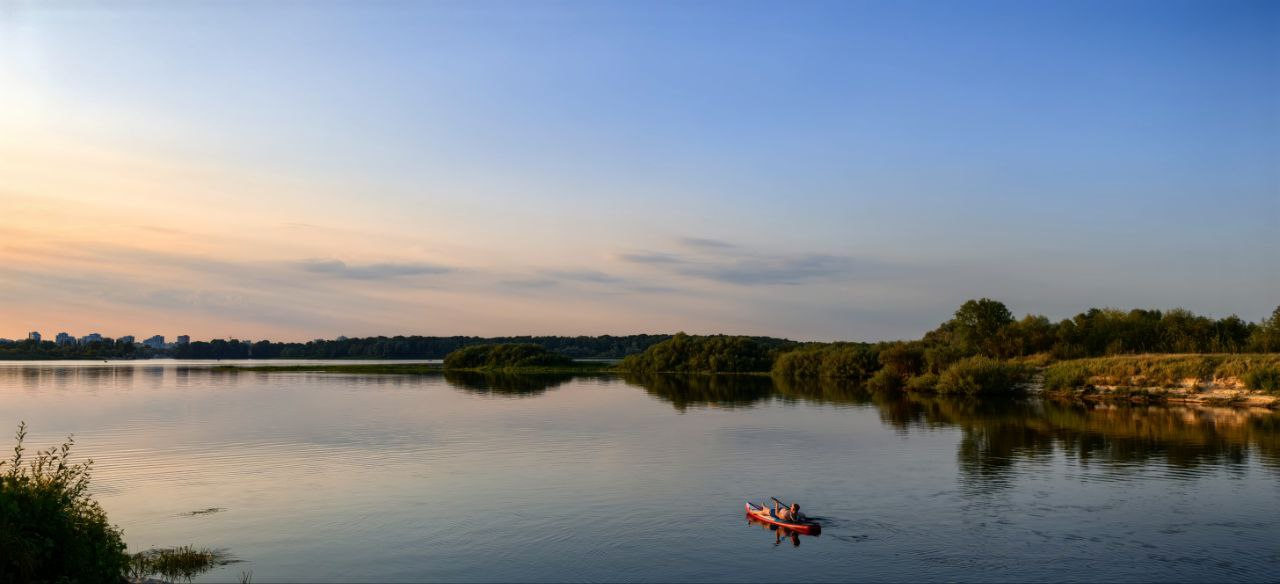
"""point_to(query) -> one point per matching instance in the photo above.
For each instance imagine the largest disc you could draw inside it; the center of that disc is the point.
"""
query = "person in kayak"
(791, 513)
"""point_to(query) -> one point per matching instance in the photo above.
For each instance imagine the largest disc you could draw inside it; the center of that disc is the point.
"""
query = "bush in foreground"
(51, 530)
(982, 375)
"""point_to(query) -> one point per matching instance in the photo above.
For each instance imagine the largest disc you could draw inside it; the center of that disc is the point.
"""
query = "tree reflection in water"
(506, 384)
(997, 434)
(686, 391)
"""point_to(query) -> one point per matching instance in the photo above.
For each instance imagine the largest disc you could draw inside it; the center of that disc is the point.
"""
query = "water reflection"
(724, 391)
(339, 476)
(506, 384)
(996, 434)
(999, 433)
(780, 534)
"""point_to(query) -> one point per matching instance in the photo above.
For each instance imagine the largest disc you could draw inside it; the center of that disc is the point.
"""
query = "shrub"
(979, 375)
(885, 380)
(1265, 378)
(925, 382)
(1065, 376)
(903, 358)
(50, 528)
(852, 361)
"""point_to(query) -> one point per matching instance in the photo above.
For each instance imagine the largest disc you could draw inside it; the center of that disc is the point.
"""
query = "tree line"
(413, 347)
(107, 348)
(982, 347)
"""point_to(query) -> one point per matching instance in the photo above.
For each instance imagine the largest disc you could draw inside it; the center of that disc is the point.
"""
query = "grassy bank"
(1214, 378)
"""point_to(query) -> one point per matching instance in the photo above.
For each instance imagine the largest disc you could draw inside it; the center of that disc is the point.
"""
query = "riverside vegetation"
(51, 529)
(984, 350)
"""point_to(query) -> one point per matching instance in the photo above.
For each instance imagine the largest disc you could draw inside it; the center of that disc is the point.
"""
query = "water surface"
(344, 478)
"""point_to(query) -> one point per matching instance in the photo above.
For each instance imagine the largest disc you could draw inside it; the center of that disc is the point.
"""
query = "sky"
(814, 170)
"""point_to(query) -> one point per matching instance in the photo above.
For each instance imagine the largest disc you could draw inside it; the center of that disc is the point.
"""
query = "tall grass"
(1263, 378)
(176, 564)
(1160, 370)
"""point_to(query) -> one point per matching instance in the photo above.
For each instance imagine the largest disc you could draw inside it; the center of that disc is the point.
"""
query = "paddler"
(785, 513)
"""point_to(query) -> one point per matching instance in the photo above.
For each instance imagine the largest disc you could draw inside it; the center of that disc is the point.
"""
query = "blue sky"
(816, 170)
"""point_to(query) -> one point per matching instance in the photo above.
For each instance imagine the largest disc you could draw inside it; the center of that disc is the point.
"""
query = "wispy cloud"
(650, 258)
(704, 243)
(591, 276)
(789, 270)
(375, 271)
(731, 264)
(530, 283)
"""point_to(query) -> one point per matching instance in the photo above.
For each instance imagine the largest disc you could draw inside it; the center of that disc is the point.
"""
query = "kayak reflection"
(780, 533)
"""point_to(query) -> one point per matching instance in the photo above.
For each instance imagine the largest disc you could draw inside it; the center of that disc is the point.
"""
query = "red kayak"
(764, 514)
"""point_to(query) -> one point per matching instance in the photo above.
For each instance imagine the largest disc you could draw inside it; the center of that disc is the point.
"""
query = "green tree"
(977, 324)
(1266, 336)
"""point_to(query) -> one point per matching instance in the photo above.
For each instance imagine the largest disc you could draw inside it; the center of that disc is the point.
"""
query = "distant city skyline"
(65, 338)
(836, 170)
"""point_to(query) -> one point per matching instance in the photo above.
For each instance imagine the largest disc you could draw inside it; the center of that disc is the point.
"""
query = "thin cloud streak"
(729, 264)
(376, 271)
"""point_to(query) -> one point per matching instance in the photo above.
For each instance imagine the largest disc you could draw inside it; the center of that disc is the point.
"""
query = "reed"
(181, 563)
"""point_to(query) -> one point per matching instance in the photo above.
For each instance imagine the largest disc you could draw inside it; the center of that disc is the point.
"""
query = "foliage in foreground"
(51, 530)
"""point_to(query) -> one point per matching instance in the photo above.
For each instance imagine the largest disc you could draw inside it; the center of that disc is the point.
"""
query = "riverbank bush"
(982, 375)
(1266, 379)
(51, 530)
(885, 380)
(924, 383)
(684, 353)
(840, 361)
(497, 357)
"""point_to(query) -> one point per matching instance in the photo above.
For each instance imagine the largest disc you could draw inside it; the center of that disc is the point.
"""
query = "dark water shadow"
(506, 384)
(723, 391)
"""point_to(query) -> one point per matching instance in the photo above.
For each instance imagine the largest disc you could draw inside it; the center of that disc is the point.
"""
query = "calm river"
(367, 478)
